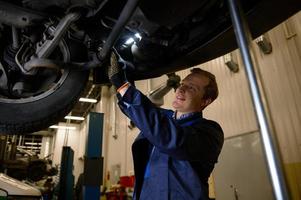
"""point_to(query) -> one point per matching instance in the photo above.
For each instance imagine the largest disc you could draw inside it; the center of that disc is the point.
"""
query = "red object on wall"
(116, 194)
(127, 181)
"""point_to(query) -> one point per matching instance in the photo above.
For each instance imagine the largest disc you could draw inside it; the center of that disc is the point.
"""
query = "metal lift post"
(93, 165)
(243, 38)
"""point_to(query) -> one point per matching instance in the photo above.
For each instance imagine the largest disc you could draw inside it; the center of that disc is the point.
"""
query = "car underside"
(48, 48)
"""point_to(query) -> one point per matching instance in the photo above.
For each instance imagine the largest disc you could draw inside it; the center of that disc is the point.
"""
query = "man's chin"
(176, 106)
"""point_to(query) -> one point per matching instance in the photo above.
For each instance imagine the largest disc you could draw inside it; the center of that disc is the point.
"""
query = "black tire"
(27, 117)
(20, 118)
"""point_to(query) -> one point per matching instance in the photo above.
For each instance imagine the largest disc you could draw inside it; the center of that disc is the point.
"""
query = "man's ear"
(205, 103)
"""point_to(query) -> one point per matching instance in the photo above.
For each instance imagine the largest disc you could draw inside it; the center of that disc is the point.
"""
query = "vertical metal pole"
(93, 165)
(243, 39)
(66, 174)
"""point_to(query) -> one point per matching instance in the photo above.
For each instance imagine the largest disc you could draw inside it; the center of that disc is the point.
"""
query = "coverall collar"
(187, 115)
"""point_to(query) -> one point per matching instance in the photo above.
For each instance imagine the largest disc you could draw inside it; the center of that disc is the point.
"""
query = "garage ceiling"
(82, 109)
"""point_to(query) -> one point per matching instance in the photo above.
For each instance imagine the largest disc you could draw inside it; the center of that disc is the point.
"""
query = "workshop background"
(242, 171)
(241, 168)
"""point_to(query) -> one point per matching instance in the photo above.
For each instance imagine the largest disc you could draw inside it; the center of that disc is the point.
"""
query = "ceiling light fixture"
(63, 127)
(75, 118)
(87, 100)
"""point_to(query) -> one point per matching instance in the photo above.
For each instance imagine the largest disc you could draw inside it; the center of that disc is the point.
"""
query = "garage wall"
(233, 109)
(72, 138)
(281, 72)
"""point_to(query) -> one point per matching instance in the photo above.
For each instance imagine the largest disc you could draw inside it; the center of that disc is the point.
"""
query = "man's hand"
(115, 71)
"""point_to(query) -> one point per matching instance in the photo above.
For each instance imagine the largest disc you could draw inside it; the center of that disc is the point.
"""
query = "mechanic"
(176, 151)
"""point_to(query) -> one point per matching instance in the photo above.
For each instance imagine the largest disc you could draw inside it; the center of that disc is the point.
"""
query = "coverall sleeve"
(164, 133)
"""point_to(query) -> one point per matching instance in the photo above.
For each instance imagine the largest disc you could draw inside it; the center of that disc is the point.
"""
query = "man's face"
(189, 96)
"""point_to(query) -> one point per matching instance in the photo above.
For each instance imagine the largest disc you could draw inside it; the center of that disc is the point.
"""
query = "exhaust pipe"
(17, 16)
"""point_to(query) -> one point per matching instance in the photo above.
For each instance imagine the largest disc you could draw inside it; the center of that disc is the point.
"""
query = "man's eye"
(192, 88)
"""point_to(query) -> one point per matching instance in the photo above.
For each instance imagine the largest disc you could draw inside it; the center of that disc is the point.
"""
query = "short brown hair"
(211, 90)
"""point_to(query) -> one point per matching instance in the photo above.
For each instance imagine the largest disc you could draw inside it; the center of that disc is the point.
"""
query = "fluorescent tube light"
(75, 118)
(87, 100)
(63, 127)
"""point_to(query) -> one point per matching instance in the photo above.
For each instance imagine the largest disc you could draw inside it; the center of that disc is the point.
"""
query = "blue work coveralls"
(172, 158)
